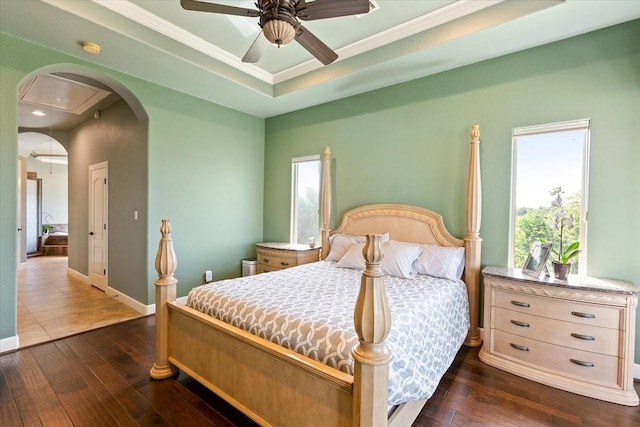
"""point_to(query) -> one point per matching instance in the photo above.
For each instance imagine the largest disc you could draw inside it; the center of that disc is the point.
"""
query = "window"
(305, 199)
(549, 189)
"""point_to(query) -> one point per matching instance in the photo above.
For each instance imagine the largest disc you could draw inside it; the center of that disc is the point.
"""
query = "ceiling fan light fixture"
(278, 32)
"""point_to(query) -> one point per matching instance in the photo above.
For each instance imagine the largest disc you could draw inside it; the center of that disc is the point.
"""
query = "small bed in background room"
(289, 347)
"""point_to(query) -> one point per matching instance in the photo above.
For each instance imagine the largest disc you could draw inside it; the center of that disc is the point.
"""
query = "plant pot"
(560, 270)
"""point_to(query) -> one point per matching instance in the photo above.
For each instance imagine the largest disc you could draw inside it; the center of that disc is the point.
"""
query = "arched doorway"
(109, 128)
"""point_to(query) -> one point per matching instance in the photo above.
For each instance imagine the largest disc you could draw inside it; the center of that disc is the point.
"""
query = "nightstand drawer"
(569, 311)
(267, 268)
(572, 335)
(277, 261)
(563, 361)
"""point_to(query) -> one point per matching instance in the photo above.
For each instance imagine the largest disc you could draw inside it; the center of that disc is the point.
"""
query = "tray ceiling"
(200, 53)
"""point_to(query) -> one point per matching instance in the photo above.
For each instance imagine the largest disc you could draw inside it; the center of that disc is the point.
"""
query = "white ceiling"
(199, 53)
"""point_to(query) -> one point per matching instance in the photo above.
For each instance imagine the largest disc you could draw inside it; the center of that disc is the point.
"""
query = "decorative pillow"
(441, 261)
(340, 243)
(399, 259)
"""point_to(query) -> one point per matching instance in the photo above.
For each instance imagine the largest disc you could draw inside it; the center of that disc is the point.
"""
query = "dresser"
(277, 255)
(576, 335)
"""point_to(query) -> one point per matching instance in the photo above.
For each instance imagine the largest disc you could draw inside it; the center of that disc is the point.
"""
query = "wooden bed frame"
(276, 386)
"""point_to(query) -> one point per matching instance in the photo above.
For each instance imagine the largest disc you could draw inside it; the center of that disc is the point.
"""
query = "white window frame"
(293, 232)
(584, 124)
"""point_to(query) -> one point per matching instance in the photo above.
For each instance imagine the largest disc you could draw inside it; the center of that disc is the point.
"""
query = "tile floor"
(52, 304)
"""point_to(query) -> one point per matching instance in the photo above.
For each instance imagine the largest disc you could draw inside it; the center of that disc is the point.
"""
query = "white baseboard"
(76, 275)
(131, 302)
(9, 344)
(137, 305)
(126, 299)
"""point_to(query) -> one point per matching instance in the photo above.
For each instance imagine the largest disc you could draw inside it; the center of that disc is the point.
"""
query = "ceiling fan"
(279, 20)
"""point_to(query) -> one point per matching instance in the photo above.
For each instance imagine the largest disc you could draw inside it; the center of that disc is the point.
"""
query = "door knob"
(91, 233)
(19, 229)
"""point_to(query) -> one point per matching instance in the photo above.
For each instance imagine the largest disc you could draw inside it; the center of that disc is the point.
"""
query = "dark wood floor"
(101, 378)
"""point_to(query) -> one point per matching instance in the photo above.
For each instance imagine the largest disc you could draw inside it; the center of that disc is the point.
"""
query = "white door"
(98, 198)
(22, 253)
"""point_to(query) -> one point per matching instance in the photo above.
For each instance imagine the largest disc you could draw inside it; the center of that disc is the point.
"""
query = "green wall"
(205, 173)
(410, 143)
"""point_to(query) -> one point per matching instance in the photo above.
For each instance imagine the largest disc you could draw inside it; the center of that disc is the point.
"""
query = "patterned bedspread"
(309, 309)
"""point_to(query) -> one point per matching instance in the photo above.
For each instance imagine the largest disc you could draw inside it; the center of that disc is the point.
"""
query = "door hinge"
(104, 272)
(104, 226)
(105, 180)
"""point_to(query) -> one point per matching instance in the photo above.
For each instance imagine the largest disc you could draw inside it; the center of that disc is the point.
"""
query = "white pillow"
(340, 243)
(399, 259)
(441, 261)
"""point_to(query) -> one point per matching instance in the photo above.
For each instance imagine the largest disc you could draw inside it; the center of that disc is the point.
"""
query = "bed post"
(326, 202)
(165, 291)
(372, 320)
(472, 241)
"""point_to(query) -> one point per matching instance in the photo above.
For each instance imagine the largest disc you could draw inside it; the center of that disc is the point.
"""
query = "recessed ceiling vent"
(51, 91)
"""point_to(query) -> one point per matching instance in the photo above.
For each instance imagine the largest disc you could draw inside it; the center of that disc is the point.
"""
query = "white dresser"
(576, 335)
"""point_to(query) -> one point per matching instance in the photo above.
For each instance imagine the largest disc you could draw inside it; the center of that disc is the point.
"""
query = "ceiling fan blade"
(200, 6)
(315, 46)
(256, 50)
(321, 9)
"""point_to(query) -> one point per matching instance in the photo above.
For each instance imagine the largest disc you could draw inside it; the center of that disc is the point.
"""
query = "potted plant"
(562, 265)
(46, 228)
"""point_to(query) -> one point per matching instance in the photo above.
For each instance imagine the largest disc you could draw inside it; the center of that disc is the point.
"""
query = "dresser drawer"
(267, 268)
(275, 261)
(582, 365)
(573, 335)
(569, 311)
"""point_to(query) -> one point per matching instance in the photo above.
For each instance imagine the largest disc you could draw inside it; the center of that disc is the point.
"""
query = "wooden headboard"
(403, 222)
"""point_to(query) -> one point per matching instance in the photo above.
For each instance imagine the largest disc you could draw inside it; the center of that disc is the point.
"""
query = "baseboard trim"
(130, 302)
(76, 275)
(126, 299)
(114, 293)
(9, 344)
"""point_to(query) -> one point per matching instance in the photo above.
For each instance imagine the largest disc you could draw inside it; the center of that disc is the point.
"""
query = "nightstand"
(278, 255)
(577, 335)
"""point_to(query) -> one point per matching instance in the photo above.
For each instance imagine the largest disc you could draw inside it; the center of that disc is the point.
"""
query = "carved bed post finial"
(326, 202)
(165, 291)
(472, 240)
(372, 319)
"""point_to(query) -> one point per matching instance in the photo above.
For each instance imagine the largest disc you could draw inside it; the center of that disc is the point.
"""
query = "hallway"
(52, 304)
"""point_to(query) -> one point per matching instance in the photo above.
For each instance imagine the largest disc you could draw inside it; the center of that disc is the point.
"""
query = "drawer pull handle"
(265, 259)
(284, 263)
(520, 304)
(583, 337)
(584, 315)
(518, 323)
(519, 347)
(582, 363)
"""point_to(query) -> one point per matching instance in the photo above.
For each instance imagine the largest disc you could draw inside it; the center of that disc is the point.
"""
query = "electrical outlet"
(208, 276)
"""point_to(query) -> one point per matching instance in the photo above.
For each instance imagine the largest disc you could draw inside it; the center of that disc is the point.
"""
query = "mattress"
(309, 309)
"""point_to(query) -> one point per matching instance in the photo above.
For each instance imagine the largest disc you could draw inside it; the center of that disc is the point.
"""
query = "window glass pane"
(549, 185)
(306, 203)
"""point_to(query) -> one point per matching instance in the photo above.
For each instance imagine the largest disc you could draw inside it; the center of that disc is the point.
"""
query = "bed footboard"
(271, 384)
